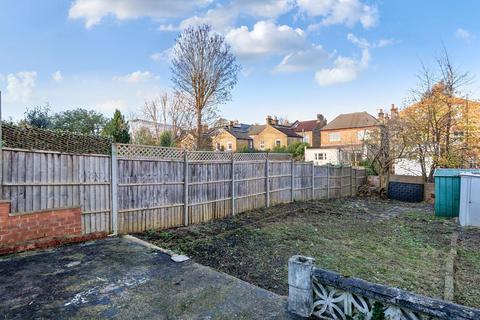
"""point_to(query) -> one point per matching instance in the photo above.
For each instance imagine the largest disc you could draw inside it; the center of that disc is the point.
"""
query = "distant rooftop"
(352, 120)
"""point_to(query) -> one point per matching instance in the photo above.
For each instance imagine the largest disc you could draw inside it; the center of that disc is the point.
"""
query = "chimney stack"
(231, 124)
(381, 114)
(269, 120)
(275, 121)
(393, 111)
(321, 120)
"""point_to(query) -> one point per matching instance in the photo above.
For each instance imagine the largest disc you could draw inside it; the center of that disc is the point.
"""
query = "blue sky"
(299, 57)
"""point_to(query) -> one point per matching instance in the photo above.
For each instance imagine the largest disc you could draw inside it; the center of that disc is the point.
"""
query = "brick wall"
(349, 136)
(20, 232)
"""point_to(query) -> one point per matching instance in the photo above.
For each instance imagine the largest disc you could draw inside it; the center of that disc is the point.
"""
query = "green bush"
(166, 139)
(369, 167)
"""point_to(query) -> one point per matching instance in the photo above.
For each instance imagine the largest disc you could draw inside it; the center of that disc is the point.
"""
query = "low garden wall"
(27, 231)
(328, 295)
(404, 185)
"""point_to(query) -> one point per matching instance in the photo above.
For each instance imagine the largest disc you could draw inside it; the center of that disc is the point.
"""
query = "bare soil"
(383, 241)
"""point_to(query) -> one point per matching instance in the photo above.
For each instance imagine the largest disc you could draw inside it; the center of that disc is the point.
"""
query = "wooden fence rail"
(144, 187)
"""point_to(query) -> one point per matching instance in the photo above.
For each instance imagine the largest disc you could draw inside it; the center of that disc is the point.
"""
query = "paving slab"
(117, 278)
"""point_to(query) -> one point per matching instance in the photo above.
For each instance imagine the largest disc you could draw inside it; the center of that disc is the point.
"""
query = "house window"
(361, 135)
(229, 146)
(305, 138)
(321, 156)
(334, 137)
(262, 145)
(218, 147)
(250, 144)
(277, 143)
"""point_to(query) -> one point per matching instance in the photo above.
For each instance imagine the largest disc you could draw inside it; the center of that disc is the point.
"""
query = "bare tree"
(169, 110)
(384, 146)
(205, 70)
(438, 112)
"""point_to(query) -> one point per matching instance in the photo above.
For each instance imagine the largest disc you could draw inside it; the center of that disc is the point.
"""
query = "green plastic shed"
(447, 191)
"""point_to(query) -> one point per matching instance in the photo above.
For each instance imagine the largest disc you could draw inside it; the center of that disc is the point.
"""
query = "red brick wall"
(20, 232)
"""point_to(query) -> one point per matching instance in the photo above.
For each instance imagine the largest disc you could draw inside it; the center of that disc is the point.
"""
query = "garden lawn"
(382, 241)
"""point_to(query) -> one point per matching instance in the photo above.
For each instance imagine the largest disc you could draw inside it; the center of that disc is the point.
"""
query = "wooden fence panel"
(302, 181)
(321, 182)
(150, 194)
(210, 189)
(249, 186)
(280, 182)
(150, 189)
(40, 180)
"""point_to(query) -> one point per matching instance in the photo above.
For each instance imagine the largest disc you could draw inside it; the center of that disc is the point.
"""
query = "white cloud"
(108, 107)
(464, 34)
(363, 43)
(346, 69)
(348, 12)
(303, 60)
(168, 27)
(20, 86)
(161, 56)
(385, 43)
(220, 19)
(266, 38)
(93, 11)
(57, 76)
(223, 17)
(136, 77)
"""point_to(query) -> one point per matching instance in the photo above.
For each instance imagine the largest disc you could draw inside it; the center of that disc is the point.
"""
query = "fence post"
(341, 181)
(328, 181)
(352, 179)
(114, 189)
(233, 184)
(300, 291)
(185, 188)
(292, 180)
(267, 182)
(313, 180)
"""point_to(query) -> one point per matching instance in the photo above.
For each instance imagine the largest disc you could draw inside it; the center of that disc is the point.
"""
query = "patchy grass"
(467, 273)
(388, 242)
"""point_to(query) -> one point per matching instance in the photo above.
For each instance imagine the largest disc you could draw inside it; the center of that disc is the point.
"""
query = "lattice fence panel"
(198, 156)
(135, 151)
(250, 156)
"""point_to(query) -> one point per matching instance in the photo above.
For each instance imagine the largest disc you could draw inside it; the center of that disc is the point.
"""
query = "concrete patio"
(117, 278)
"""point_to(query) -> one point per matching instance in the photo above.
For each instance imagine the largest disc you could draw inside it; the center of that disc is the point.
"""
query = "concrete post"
(292, 180)
(313, 180)
(185, 188)
(114, 190)
(267, 183)
(233, 184)
(300, 292)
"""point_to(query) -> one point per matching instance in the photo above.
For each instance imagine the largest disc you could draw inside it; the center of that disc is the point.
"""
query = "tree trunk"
(199, 130)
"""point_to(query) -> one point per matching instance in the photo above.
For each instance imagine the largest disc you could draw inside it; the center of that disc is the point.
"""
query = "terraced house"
(310, 130)
(233, 137)
(341, 140)
(272, 134)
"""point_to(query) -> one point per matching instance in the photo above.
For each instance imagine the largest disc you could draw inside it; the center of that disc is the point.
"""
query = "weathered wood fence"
(144, 187)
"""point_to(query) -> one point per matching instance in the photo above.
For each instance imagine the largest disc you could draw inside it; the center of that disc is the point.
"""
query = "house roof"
(308, 125)
(256, 129)
(289, 132)
(352, 120)
(238, 133)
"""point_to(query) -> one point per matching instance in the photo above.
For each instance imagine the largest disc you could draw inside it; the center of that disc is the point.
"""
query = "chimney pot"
(381, 114)
(269, 120)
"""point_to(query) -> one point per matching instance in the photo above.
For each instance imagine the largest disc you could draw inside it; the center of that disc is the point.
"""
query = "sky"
(298, 57)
